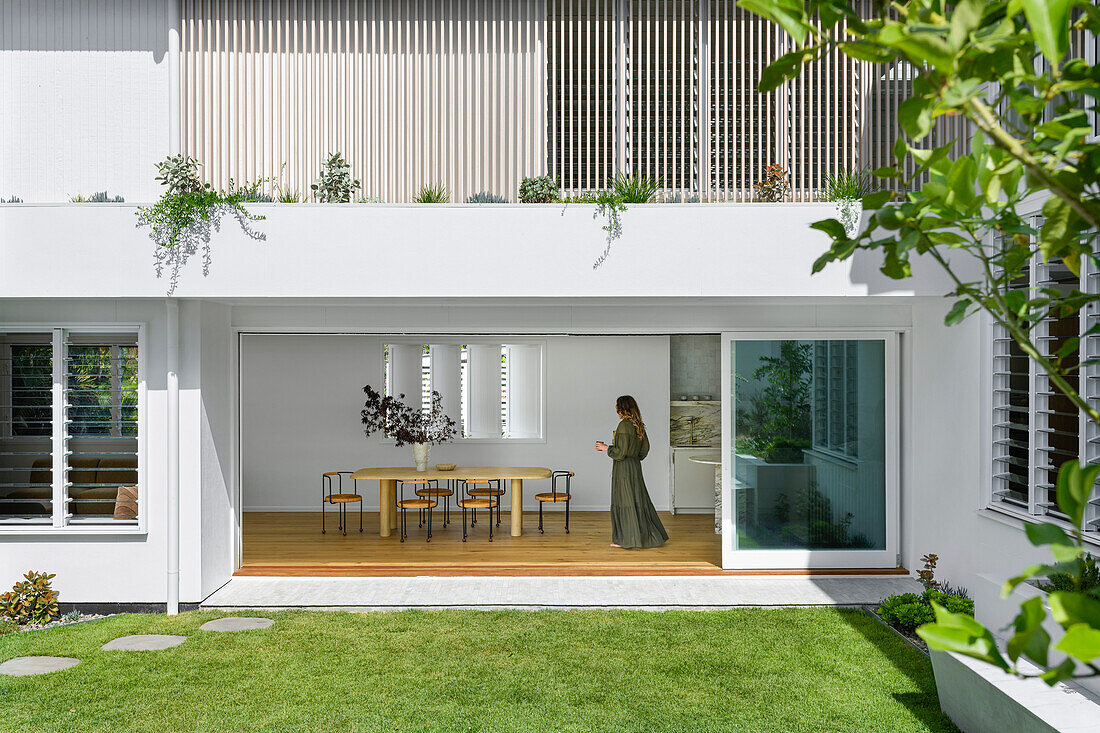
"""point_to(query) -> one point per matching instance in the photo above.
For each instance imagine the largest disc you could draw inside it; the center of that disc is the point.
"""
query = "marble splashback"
(708, 423)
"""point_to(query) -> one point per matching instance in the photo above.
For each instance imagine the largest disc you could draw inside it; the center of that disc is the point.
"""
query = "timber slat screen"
(477, 94)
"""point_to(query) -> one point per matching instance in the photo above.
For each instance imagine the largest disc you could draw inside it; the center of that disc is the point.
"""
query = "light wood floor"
(291, 544)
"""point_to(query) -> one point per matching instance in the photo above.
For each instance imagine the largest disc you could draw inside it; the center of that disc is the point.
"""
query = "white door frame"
(759, 559)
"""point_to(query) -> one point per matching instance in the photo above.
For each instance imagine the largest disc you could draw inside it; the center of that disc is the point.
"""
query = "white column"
(524, 391)
(173, 383)
(483, 389)
(447, 378)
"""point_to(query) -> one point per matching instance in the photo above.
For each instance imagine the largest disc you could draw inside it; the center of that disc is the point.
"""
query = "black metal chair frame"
(567, 475)
(493, 501)
(499, 487)
(342, 512)
(400, 499)
(433, 485)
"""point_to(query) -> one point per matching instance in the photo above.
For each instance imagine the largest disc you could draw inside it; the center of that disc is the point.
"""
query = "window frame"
(1037, 507)
(60, 519)
(461, 341)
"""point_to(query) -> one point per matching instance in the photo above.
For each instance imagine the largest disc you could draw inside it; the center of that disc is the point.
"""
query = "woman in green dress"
(634, 521)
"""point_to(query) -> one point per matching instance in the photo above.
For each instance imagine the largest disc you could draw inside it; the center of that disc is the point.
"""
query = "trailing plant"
(1007, 68)
(775, 186)
(484, 197)
(181, 220)
(611, 207)
(32, 601)
(634, 189)
(1088, 580)
(432, 194)
(538, 190)
(99, 197)
(406, 424)
(335, 186)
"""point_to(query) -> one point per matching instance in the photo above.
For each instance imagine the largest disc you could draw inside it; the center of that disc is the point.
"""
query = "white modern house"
(153, 446)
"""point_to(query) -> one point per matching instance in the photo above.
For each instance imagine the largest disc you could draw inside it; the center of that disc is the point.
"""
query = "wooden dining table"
(388, 477)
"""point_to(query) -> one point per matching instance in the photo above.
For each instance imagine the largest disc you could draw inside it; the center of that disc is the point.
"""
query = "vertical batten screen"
(411, 92)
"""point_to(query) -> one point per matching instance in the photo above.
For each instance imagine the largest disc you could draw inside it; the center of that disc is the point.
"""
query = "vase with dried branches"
(408, 424)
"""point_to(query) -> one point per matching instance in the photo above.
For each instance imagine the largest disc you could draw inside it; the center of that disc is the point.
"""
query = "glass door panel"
(810, 450)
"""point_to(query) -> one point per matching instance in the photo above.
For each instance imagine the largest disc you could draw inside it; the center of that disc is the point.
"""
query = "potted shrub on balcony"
(408, 424)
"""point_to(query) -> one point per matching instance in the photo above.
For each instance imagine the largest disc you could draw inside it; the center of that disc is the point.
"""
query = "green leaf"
(915, 117)
(1080, 642)
(965, 18)
(1063, 671)
(1061, 230)
(788, 14)
(957, 313)
(1046, 534)
(1049, 21)
(1031, 639)
(867, 51)
(958, 632)
(876, 200)
(832, 227)
(1074, 485)
(1069, 608)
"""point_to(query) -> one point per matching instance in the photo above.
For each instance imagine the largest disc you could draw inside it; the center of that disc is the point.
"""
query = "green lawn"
(743, 670)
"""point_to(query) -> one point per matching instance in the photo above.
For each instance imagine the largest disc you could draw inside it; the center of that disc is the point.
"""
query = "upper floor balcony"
(457, 250)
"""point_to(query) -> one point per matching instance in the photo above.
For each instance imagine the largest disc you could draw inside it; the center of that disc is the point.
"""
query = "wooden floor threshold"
(374, 570)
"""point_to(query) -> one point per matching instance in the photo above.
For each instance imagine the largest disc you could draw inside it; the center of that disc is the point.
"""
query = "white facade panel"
(85, 98)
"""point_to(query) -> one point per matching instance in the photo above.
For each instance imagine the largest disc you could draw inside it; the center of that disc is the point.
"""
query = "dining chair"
(433, 489)
(554, 496)
(473, 503)
(340, 499)
(493, 488)
(421, 504)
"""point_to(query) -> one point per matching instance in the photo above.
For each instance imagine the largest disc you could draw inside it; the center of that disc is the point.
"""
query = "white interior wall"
(301, 396)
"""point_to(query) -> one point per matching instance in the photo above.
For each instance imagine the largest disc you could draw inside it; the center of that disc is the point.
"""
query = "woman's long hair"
(627, 406)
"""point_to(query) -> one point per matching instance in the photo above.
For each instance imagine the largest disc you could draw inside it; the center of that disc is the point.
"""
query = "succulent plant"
(484, 197)
(180, 173)
(538, 190)
(335, 186)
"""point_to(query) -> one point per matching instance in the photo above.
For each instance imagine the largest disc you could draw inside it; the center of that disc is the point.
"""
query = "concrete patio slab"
(236, 623)
(28, 666)
(642, 592)
(144, 642)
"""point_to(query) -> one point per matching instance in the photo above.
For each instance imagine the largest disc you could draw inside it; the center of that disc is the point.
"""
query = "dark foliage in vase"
(404, 423)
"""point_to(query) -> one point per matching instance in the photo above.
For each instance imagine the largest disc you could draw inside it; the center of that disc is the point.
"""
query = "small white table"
(714, 459)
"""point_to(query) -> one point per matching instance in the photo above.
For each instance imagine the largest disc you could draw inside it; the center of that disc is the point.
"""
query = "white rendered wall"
(110, 568)
(85, 98)
(467, 251)
(301, 396)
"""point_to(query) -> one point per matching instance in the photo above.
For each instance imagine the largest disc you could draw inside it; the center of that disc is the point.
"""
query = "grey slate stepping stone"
(27, 666)
(236, 623)
(144, 642)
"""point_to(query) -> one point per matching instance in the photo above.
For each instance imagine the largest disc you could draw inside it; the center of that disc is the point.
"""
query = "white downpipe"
(173, 328)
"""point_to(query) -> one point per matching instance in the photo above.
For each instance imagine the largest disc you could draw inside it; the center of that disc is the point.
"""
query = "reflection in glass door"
(809, 476)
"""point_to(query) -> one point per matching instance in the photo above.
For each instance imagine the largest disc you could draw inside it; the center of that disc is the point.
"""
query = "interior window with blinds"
(73, 460)
(493, 391)
(1036, 428)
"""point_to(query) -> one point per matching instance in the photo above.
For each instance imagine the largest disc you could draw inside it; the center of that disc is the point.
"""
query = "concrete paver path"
(27, 666)
(144, 642)
(236, 623)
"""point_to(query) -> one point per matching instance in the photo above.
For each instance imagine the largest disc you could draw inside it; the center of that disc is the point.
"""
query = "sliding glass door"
(810, 450)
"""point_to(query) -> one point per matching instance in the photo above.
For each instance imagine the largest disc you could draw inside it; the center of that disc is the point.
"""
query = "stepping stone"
(144, 642)
(27, 666)
(236, 623)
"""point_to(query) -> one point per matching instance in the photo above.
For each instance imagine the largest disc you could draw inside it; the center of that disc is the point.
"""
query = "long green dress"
(634, 521)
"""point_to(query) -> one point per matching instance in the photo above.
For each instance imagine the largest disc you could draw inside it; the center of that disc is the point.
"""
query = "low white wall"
(468, 251)
(301, 396)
